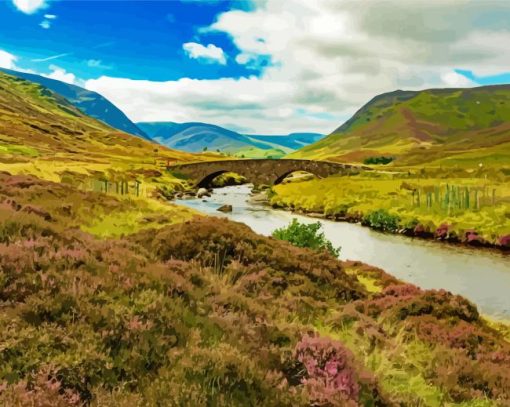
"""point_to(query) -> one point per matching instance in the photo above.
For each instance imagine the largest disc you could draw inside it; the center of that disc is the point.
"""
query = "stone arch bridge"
(258, 171)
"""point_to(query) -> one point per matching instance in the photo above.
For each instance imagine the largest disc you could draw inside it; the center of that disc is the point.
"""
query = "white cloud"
(46, 24)
(50, 16)
(210, 53)
(61, 74)
(7, 60)
(29, 6)
(456, 80)
(329, 56)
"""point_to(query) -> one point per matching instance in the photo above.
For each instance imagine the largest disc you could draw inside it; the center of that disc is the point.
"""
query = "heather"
(204, 312)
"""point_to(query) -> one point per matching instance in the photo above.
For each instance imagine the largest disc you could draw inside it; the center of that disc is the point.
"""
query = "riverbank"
(462, 211)
(261, 198)
(482, 275)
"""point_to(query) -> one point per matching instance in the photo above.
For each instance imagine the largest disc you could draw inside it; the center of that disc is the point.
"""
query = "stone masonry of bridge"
(258, 171)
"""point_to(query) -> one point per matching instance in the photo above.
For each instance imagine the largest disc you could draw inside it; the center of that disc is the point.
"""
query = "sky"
(261, 66)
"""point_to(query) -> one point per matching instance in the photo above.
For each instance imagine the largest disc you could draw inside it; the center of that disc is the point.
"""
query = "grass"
(254, 152)
(360, 196)
(43, 135)
(140, 214)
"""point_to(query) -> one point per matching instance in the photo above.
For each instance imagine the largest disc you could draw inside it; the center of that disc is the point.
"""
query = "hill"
(42, 133)
(195, 137)
(90, 103)
(293, 141)
(207, 313)
(452, 127)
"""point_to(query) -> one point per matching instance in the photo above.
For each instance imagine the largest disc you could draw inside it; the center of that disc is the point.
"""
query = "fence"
(450, 197)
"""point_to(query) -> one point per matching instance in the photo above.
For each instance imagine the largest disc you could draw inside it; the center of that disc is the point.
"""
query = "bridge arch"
(280, 179)
(208, 179)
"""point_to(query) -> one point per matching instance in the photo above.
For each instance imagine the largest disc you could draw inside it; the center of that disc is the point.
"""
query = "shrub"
(330, 374)
(303, 235)
(381, 219)
(378, 160)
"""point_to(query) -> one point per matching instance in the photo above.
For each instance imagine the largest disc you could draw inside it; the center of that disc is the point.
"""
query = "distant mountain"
(90, 103)
(293, 141)
(462, 127)
(195, 137)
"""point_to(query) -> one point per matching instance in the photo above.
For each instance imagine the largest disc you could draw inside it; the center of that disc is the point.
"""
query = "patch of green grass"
(399, 368)
(393, 196)
(18, 150)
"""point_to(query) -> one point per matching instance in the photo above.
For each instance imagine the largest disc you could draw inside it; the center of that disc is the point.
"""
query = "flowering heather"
(330, 376)
(208, 313)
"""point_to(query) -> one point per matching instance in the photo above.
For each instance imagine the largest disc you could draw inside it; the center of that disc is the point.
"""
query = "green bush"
(303, 235)
(381, 220)
(378, 160)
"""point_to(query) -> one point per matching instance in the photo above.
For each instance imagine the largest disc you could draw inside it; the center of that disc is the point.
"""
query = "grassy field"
(474, 209)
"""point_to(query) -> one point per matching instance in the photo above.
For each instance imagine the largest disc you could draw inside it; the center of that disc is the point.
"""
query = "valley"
(113, 292)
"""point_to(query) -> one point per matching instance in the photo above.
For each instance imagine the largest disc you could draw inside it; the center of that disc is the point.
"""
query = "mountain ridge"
(197, 136)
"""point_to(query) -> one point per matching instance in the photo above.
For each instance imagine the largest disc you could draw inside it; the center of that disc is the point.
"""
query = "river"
(482, 276)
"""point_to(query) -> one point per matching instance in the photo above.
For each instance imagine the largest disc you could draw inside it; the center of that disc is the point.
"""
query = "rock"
(188, 195)
(225, 208)
(202, 192)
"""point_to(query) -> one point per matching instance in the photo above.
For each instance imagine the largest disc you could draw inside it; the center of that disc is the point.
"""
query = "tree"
(205, 148)
(303, 235)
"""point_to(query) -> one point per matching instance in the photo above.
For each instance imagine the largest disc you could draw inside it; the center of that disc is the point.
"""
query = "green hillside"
(43, 134)
(439, 127)
(91, 103)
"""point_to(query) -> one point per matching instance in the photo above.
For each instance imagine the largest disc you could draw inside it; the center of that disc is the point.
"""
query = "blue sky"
(134, 39)
(261, 66)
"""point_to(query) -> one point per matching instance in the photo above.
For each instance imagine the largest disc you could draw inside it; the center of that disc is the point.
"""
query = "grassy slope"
(91, 103)
(437, 127)
(209, 313)
(42, 134)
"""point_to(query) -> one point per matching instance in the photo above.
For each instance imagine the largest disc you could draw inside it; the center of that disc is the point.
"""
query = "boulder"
(202, 192)
(225, 208)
